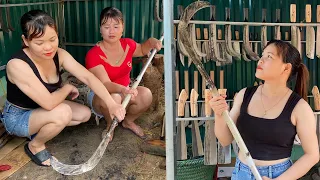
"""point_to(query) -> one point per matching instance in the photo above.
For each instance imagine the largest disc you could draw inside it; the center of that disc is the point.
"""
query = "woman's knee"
(85, 114)
(103, 106)
(145, 96)
(63, 113)
(116, 97)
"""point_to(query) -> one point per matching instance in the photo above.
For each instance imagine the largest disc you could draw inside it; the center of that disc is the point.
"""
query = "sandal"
(39, 157)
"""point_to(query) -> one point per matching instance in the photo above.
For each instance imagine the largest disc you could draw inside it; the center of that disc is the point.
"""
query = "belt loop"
(270, 171)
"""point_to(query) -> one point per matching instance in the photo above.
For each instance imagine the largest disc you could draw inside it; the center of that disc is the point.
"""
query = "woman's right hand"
(74, 92)
(118, 111)
(218, 104)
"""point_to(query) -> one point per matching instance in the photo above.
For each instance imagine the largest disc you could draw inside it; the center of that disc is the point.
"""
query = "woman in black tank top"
(269, 117)
(36, 105)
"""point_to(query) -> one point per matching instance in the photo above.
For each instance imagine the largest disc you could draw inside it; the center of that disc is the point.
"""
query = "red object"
(4, 167)
(117, 74)
(216, 173)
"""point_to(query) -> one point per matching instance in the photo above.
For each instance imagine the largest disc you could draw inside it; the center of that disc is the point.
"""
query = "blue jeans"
(90, 100)
(243, 172)
(16, 120)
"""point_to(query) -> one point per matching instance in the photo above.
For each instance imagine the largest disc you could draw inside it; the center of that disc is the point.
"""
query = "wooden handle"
(177, 84)
(198, 33)
(205, 33)
(195, 81)
(286, 35)
(315, 91)
(193, 103)
(308, 13)
(175, 32)
(316, 96)
(237, 35)
(207, 107)
(212, 75)
(203, 87)
(181, 102)
(221, 79)
(318, 13)
(186, 82)
(222, 91)
(181, 134)
(293, 12)
(219, 34)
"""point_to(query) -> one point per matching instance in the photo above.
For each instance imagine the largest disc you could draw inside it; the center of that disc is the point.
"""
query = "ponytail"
(302, 82)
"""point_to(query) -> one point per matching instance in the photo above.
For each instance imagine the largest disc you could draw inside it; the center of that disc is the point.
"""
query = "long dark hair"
(290, 54)
(34, 22)
(110, 12)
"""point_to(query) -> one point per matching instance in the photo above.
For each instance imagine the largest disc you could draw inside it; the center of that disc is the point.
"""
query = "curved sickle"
(67, 169)
(184, 32)
(156, 11)
(183, 37)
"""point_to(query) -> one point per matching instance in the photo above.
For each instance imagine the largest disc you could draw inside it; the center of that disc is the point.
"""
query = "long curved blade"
(184, 34)
(67, 169)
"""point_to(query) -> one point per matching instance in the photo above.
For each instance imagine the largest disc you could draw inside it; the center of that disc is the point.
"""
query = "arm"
(102, 75)
(221, 129)
(144, 48)
(21, 74)
(306, 130)
(72, 66)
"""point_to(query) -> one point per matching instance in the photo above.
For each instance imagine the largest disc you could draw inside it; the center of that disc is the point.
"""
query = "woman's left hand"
(133, 92)
(155, 44)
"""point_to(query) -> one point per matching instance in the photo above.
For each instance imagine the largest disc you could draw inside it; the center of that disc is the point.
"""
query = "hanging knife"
(246, 43)
(181, 133)
(310, 39)
(264, 39)
(277, 28)
(197, 147)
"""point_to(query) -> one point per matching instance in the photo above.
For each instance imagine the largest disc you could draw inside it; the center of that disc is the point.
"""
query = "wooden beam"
(16, 159)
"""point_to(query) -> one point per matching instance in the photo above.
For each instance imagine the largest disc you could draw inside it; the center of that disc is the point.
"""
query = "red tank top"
(120, 74)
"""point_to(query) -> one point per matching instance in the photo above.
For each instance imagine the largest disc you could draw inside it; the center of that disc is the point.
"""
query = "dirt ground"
(122, 158)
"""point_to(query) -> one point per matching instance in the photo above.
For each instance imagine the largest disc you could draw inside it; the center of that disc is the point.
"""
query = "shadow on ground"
(122, 158)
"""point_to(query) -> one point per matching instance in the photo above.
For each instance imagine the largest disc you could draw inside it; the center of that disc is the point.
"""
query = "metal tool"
(96, 157)
(183, 34)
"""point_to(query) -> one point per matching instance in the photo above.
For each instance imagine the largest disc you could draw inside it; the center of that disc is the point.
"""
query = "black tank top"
(16, 96)
(267, 139)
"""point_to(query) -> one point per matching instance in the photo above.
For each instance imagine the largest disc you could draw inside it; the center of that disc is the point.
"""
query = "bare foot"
(36, 149)
(134, 128)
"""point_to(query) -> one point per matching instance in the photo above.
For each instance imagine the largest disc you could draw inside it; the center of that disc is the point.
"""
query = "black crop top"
(16, 96)
(267, 139)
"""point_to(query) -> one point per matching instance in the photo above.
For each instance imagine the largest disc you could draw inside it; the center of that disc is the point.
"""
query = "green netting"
(194, 169)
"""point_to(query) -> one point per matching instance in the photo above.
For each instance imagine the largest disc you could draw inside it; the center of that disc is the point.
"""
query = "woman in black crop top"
(36, 105)
(269, 116)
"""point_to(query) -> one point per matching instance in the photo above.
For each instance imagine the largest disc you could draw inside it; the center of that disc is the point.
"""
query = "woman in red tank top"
(111, 61)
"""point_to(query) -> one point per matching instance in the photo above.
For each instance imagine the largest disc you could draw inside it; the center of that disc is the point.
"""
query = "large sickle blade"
(67, 169)
(183, 37)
